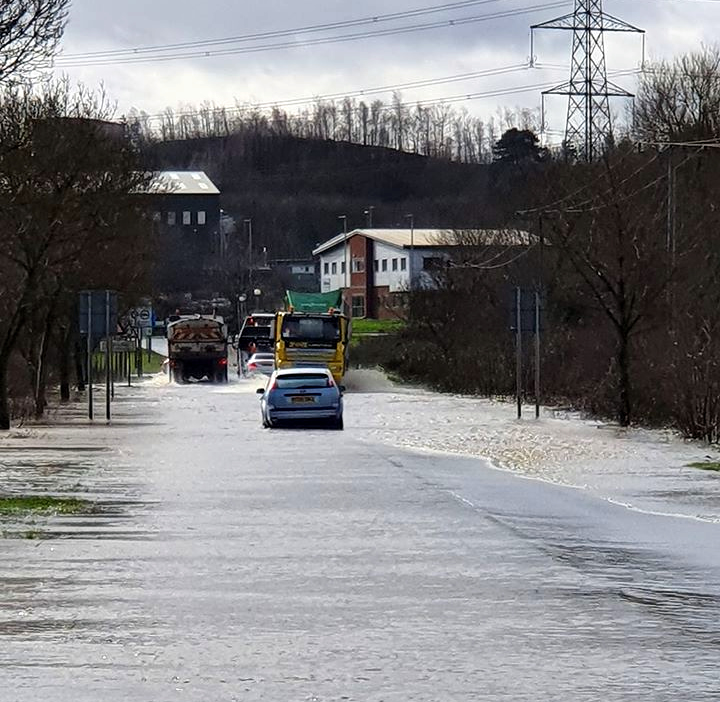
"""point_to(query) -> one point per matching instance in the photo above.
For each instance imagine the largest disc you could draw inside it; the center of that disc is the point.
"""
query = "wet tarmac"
(222, 561)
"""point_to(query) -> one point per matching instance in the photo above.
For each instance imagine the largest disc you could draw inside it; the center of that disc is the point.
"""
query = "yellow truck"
(312, 339)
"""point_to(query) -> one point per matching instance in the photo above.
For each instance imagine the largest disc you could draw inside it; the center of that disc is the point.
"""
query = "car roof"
(302, 370)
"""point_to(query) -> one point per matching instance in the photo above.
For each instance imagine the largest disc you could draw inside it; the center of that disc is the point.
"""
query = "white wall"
(396, 281)
(328, 281)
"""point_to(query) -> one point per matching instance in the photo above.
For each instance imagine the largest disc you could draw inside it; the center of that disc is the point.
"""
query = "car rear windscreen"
(304, 380)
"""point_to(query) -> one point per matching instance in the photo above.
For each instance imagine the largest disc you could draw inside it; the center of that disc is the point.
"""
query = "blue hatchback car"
(297, 394)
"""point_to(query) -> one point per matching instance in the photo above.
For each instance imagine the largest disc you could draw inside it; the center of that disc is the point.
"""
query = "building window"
(358, 265)
(377, 265)
(171, 219)
(326, 268)
(201, 217)
(186, 217)
(342, 267)
(334, 267)
(384, 264)
(156, 216)
(394, 264)
(403, 264)
(358, 305)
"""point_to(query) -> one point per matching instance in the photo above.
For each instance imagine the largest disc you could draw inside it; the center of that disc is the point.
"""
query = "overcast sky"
(672, 27)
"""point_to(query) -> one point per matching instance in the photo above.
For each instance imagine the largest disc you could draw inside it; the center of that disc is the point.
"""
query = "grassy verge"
(41, 504)
(706, 465)
(376, 326)
(154, 365)
(149, 365)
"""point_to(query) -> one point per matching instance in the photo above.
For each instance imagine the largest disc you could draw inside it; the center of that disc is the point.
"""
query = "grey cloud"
(97, 24)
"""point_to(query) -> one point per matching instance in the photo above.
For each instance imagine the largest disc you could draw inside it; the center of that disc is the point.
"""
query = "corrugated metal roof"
(182, 183)
(403, 238)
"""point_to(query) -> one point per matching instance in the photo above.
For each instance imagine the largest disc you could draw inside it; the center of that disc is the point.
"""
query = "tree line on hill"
(435, 130)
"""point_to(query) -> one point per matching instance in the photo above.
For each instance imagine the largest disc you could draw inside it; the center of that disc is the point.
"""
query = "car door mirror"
(341, 388)
(260, 391)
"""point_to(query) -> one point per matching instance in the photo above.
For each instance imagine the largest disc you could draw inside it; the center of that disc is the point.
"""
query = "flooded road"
(226, 562)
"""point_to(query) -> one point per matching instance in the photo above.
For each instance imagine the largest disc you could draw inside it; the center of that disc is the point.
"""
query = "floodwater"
(223, 561)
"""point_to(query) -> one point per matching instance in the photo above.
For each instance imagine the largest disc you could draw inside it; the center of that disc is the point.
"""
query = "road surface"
(228, 562)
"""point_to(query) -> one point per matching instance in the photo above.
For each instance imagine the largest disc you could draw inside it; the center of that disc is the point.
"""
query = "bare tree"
(67, 184)
(680, 99)
(609, 236)
(29, 34)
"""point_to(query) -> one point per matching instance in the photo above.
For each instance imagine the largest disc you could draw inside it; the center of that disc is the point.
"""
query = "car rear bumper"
(303, 413)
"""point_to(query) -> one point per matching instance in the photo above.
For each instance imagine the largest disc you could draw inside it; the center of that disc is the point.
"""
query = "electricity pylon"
(588, 129)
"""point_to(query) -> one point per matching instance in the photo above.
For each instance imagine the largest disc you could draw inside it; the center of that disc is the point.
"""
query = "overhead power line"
(336, 39)
(446, 100)
(411, 85)
(294, 31)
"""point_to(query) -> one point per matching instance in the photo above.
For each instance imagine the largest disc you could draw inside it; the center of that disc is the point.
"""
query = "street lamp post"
(411, 219)
(248, 221)
(369, 215)
(240, 311)
(258, 295)
(344, 221)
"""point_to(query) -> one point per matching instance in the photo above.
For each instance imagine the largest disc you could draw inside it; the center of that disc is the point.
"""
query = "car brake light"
(251, 366)
(222, 362)
(331, 382)
(274, 386)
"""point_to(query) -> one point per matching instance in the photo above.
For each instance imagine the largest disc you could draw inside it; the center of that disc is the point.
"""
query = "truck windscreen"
(326, 329)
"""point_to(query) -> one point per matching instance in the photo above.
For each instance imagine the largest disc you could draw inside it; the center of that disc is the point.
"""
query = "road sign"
(97, 318)
(527, 310)
(120, 345)
(96, 299)
(141, 317)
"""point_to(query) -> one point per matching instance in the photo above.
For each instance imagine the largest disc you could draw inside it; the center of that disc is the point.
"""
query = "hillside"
(294, 189)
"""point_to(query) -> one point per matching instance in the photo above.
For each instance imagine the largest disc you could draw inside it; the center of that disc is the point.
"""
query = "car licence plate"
(303, 400)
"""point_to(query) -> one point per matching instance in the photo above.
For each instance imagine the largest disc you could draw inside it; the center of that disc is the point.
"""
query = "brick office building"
(375, 267)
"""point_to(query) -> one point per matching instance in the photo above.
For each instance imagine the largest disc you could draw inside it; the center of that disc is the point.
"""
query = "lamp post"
(258, 295)
(240, 309)
(248, 221)
(221, 236)
(411, 219)
(240, 312)
(344, 221)
(369, 215)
